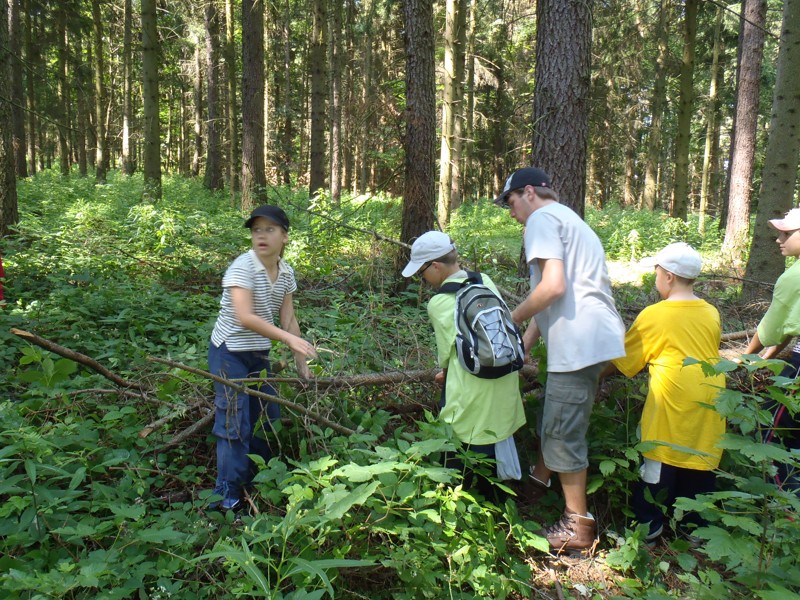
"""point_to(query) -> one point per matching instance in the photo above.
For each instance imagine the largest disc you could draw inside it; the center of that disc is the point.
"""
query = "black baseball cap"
(268, 211)
(519, 179)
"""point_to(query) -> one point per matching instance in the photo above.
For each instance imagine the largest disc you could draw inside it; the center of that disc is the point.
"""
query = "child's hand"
(439, 378)
(302, 370)
(301, 346)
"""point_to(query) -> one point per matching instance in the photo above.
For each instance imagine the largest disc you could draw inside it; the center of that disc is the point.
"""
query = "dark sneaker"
(225, 504)
(653, 536)
(571, 533)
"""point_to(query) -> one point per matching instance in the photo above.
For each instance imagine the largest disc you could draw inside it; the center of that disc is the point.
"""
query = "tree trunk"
(337, 65)
(781, 159)
(151, 154)
(711, 123)
(197, 104)
(650, 193)
(253, 174)
(101, 165)
(33, 57)
(128, 163)
(9, 214)
(743, 152)
(469, 108)
(456, 159)
(213, 175)
(420, 140)
(561, 94)
(680, 190)
(17, 96)
(82, 107)
(230, 70)
(318, 94)
(63, 91)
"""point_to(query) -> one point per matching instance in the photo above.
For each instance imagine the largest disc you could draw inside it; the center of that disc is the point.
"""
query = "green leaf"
(358, 496)
(160, 536)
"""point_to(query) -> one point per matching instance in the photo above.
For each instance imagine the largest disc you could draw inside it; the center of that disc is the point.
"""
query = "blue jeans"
(236, 417)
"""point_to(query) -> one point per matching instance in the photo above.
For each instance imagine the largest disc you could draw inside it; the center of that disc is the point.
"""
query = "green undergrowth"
(94, 501)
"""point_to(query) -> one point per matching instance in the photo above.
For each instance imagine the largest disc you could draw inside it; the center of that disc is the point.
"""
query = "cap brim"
(650, 261)
(411, 268)
(502, 200)
(780, 225)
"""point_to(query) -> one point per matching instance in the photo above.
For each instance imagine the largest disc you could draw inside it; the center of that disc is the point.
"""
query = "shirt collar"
(282, 266)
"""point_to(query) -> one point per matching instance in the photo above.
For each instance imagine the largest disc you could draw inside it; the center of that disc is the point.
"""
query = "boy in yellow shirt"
(677, 413)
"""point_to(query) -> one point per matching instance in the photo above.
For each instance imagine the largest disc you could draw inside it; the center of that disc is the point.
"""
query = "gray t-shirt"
(582, 327)
(248, 272)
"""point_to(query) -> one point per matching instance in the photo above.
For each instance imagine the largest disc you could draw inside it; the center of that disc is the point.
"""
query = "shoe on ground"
(225, 504)
(653, 535)
(572, 533)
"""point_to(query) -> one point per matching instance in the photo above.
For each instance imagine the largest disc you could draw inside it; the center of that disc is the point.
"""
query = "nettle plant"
(753, 527)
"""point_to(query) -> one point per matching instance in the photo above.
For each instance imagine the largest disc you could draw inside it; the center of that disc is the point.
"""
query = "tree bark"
(101, 165)
(151, 154)
(34, 59)
(781, 159)
(230, 71)
(63, 92)
(128, 163)
(9, 214)
(17, 96)
(213, 175)
(253, 174)
(650, 192)
(318, 95)
(711, 123)
(680, 190)
(561, 94)
(337, 66)
(751, 53)
(420, 116)
(197, 105)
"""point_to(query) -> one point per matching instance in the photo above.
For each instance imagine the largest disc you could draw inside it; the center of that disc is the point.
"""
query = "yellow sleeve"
(636, 353)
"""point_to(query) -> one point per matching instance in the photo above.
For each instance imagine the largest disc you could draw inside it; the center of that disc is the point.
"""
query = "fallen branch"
(738, 335)
(189, 431)
(167, 418)
(369, 379)
(77, 357)
(258, 394)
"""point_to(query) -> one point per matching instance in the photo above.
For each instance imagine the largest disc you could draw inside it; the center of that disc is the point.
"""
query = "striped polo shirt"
(248, 272)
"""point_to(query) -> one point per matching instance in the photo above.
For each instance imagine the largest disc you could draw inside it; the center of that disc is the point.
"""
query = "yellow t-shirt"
(481, 411)
(662, 336)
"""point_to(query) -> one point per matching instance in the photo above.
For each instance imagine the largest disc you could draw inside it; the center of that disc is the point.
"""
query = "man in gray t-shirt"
(570, 306)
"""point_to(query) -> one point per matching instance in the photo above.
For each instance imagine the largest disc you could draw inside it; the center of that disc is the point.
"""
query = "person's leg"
(231, 425)
(690, 483)
(786, 430)
(659, 480)
(257, 363)
(569, 398)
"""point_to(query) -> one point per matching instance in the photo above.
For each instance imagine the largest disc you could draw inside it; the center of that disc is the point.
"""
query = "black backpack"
(488, 343)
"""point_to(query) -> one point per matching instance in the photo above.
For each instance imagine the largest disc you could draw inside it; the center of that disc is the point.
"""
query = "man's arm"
(550, 288)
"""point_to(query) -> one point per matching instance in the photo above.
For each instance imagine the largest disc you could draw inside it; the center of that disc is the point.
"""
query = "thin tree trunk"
(336, 102)
(650, 193)
(230, 63)
(9, 213)
(469, 108)
(318, 95)
(82, 107)
(711, 123)
(63, 91)
(420, 140)
(34, 59)
(17, 95)
(680, 190)
(151, 154)
(561, 95)
(197, 104)
(781, 159)
(448, 117)
(100, 93)
(213, 175)
(128, 163)
(253, 173)
(743, 152)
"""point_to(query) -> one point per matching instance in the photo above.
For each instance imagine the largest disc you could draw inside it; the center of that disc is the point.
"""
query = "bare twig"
(77, 357)
(738, 335)
(258, 394)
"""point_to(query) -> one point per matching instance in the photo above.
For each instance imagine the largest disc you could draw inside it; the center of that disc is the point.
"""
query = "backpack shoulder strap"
(452, 287)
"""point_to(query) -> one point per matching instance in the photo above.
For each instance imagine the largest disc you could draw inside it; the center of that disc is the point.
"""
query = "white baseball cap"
(431, 245)
(678, 258)
(788, 223)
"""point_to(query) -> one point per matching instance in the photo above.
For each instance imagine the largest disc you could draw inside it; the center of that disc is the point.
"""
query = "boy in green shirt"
(484, 413)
